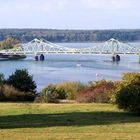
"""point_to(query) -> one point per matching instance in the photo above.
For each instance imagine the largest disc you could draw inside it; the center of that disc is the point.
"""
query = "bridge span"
(40, 46)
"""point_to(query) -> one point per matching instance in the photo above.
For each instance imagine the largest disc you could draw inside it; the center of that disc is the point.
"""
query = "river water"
(84, 68)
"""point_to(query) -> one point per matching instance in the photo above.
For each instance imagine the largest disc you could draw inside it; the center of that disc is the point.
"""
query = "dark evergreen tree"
(22, 81)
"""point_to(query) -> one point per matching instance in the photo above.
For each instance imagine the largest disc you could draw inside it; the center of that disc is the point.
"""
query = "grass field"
(66, 122)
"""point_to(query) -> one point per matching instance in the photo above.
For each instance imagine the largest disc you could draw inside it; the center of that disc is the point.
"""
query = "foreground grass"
(66, 122)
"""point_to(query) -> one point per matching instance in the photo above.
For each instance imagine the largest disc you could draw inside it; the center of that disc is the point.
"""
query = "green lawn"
(66, 122)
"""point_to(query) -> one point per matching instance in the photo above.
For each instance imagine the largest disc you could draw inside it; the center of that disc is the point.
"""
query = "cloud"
(69, 13)
(108, 4)
(54, 5)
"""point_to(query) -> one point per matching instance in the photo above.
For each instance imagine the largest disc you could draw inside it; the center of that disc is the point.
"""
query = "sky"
(70, 14)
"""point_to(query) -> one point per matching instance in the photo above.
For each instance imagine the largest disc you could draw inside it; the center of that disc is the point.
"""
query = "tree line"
(53, 35)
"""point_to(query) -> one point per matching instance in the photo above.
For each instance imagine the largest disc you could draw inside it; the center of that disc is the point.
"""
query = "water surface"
(84, 68)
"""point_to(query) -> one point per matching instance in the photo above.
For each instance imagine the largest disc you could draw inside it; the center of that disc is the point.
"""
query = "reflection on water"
(84, 68)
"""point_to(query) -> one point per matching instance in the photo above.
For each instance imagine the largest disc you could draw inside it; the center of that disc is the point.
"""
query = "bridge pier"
(42, 57)
(113, 58)
(116, 58)
(36, 57)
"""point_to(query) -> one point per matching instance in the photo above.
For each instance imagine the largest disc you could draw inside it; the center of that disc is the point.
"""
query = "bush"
(70, 89)
(98, 92)
(49, 98)
(49, 95)
(22, 81)
(1, 79)
(66, 90)
(9, 93)
(127, 92)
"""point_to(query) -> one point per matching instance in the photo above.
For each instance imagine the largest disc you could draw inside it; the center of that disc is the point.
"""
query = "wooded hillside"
(26, 35)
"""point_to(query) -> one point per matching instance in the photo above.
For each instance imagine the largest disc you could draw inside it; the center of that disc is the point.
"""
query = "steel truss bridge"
(40, 46)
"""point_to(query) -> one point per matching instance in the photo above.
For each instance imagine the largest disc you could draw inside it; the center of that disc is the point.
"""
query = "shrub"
(70, 89)
(1, 79)
(22, 81)
(128, 92)
(66, 90)
(9, 93)
(49, 95)
(99, 92)
(1, 93)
